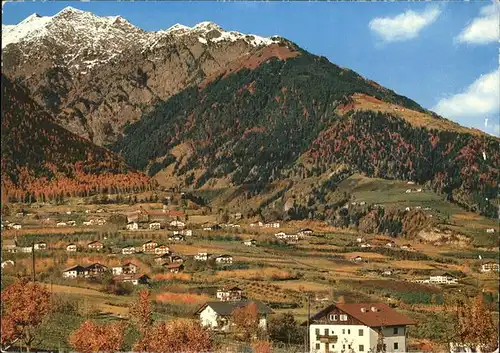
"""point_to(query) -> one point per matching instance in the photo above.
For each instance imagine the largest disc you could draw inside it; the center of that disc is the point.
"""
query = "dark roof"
(130, 276)
(384, 316)
(96, 242)
(94, 265)
(75, 268)
(234, 288)
(306, 230)
(226, 308)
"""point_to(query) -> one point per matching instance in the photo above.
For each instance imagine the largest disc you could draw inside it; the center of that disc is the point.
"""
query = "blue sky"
(442, 55)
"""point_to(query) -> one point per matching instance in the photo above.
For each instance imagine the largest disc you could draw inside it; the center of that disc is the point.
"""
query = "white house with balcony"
(358, 328)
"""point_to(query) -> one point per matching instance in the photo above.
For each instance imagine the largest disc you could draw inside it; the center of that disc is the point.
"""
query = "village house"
(162, 249)
(15, 226)
(26, 249)
(71, 248)
(291, 238)
(177, 224)
(212, 227)
(490, 266)
(250, 242)
(280, 235)
(40, 246)
(406, 247)
(229, 294)
(201, 256)
(441, 278)
(176, 238)
(128, 250)
(186, 232)
(74, 272)
(490, 230)
(134, 279)
(61, 224)
(9, 245)
(359, 240)
(88, 223)
(132, 226)
(366, 245)
(161, 259)
(357, 259)
(305, 232)
(155, 226)
(149, 246)
(174, 267)
(217, 315)
(95, 269)
(272, 225)
(71, 223)
(95, 245)
(176, 259)
(224, 259)
(391, 244)
(126, 269)
(357, 328)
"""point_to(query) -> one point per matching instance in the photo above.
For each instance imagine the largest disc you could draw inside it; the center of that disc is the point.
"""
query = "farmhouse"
(135, 279)
(305, 232)
(71, 223)
(489, 266)
(272, 225)
(175, 268)
(357, 327)
(61, 224)
(177, 224)
(95, 245)
(95, 269)
(442, 278)
(127, 269)
(26, 249)
(490, 230)
(366, 245)
(15, 226)
(217, 315)
(214, 227)
(71, 248)
(201, 256)
(186, 232)
(75, 271)
(406, 247)
(132, 226)
(229, 294)
(40, 246)
(176, 259)
(9, 245)
(161, 259)
(128, 250)
(176, 238)
(250, 242)
(155, 225)
(224, 259)
(357, 259)
(280, 235)
(162, 249)
(149, 246)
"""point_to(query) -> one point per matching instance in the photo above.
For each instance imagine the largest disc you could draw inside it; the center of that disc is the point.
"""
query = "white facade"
(17, 226)
(128, 251)
(132, 226)
(201, 256)
(117, 270)
(442, 280)
(210, 318)
(61, 224)
(155, 225)
(71, 248)
(224, 259)
(488, 267)
(177, 224)
(359, 338)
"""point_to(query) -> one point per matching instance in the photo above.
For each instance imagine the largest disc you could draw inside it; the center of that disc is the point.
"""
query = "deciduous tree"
(246, 321)
(90, 337)
(24, 307)
(141, 311)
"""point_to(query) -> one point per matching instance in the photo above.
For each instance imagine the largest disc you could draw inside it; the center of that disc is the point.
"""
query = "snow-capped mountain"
(98, 73)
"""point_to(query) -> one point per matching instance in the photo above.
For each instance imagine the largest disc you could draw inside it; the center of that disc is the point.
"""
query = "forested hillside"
(254, 124)
(41, 160)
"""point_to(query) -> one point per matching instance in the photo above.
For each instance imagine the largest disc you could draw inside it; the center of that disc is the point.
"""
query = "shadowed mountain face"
(42, 159)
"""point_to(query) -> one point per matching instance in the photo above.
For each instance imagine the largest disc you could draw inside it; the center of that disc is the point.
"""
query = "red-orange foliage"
(90, 337)
(246, 321)
(180, 335)
(262, 347)
(141, 311)
(24, 307)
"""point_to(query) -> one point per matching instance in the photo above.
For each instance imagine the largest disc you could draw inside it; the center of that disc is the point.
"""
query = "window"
(326, 332)
(348, 331)
(396, 346)
(361, 348)
(361, 332)
(333, 346)
(395, 331)
(343, 331)
(333, 317)
(343, 346)
(317, 346)
(343, 317)
(317, 332)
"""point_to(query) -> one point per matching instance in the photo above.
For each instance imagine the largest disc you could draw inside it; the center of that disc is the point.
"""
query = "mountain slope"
(42, 160)
(298, 116)
(96, 74)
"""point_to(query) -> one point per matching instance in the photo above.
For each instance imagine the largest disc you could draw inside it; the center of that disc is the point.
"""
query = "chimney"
(363, 310)
(374, 309)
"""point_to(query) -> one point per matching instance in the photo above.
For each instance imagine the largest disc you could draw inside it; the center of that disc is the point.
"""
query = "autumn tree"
(475, 326)
(141, 311)
(180, 335)
(284, 328)
(91, 337)
(246, 321)
(25, 305)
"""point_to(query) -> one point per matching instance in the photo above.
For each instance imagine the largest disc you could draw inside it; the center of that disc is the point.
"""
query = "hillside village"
(200, 260)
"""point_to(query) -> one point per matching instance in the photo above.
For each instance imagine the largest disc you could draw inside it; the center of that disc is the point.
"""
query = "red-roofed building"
(358, 327)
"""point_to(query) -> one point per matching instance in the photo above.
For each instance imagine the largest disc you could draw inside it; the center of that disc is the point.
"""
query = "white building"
(71, 248)
(132, 226)
(489, 266)
(75, 271)
(128, 250)
(16, 226)
(271, 225)
(444, 278)
(177, 224)
(201, 256)
(356, 327)
(224, 259)
(61, 224)
(250, 242)
(155, 226)
(217, 315)
(490, 230)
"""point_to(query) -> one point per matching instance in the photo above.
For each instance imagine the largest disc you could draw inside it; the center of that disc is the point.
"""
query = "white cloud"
(404, 26)
(477, 102)
(483, 29)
